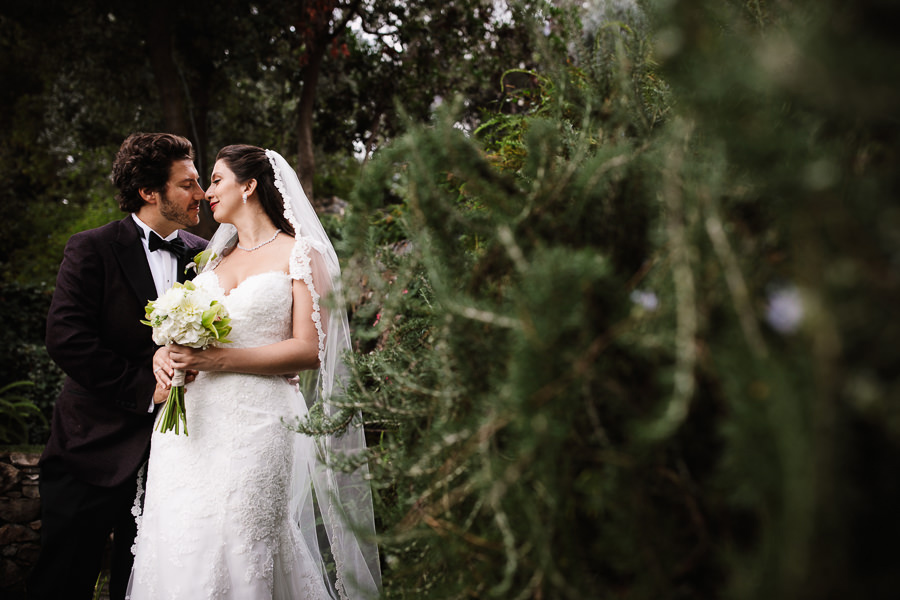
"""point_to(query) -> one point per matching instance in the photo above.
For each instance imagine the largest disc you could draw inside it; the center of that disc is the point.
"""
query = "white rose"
(168, 302)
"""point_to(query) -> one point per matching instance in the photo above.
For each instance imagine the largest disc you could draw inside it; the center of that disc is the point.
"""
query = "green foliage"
(497, 364)
(91, 204)
(631, 337)
(787, 195)
(26, 357)
(15, 410)
(335, 175)
(624, 344)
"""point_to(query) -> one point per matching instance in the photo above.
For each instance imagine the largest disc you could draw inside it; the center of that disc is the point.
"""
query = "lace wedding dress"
(216, 521)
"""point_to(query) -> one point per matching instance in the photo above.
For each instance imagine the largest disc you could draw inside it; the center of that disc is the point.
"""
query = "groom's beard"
(177, 214)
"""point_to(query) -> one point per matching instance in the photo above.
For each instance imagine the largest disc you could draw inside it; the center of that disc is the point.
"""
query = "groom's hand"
(162, 368)
(160, 394)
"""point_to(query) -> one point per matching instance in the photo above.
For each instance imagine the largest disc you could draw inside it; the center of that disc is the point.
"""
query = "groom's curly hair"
(250, 162)
(144, 161)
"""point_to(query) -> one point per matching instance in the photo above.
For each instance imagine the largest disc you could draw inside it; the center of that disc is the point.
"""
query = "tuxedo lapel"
(183, 262)
(129, 252)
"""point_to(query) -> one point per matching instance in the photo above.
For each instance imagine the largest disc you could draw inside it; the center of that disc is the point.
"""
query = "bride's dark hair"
(250, 162)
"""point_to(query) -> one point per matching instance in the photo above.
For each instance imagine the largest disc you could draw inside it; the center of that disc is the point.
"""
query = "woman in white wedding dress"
(230, 510)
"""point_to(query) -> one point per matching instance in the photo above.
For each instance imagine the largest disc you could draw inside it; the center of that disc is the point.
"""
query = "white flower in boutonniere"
(191, 316)
(200, 260)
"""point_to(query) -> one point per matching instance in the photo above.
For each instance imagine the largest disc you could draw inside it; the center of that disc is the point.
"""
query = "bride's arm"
(299, 353)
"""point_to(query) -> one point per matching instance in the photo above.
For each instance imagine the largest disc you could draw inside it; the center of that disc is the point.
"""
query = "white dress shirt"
(163, 265)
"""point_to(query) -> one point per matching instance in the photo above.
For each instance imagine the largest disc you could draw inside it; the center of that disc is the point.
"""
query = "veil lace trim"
(300, 259)
(300, 269)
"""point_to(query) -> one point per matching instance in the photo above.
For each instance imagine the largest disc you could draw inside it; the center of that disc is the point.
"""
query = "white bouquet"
(190, 316)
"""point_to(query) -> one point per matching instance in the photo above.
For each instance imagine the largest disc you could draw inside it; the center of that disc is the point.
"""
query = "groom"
(100, 432)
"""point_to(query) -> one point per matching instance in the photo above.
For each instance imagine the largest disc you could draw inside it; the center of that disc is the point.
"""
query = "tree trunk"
(306, 158)
(175, 91)
(199, 109)
(165, 72)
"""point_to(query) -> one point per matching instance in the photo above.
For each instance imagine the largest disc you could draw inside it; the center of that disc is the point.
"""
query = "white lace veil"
(330, 479)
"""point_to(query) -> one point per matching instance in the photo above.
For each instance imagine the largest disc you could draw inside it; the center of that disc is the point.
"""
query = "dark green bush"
(25, 357)
(645, 345)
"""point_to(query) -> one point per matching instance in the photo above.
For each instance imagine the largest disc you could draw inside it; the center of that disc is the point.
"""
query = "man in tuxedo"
(103, 418)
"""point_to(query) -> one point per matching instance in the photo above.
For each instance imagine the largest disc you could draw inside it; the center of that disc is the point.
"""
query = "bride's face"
(224, 193)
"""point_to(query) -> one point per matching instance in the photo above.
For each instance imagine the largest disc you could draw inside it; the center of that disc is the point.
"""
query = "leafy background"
(623, 275)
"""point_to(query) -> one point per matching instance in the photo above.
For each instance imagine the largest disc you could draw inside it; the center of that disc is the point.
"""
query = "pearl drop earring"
(245, 197)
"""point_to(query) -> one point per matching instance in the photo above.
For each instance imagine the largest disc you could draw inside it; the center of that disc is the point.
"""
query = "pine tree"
(622, 341)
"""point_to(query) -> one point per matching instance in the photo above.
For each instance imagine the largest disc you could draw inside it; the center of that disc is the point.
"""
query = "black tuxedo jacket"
(101, 425)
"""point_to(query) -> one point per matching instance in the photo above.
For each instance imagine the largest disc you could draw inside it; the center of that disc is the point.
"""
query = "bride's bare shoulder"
(282, 248)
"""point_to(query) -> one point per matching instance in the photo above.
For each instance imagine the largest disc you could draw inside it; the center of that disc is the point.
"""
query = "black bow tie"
(176, 246)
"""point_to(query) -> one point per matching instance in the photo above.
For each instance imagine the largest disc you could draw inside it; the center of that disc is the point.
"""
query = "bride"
(230, 511)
